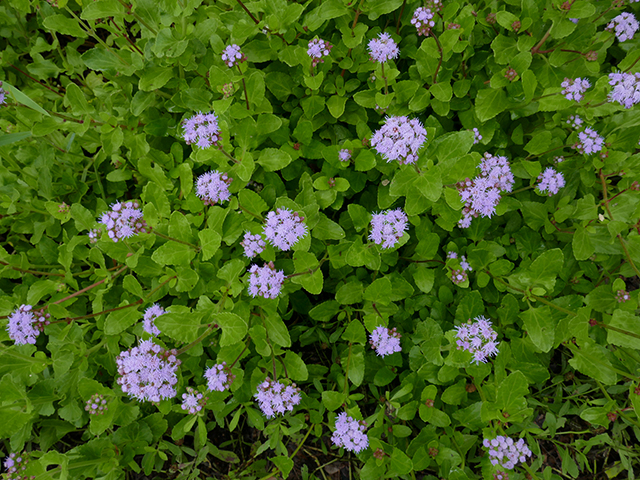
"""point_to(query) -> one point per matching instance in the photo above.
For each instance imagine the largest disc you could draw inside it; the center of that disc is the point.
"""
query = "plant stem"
(124, 35)
(244, 85)
(209, 329)
(386, 85)
(250, 213)
(227, 155)
(37, 81)
(616, 329)
(346, 373)
(166, 237)
(310, 271)
(626, 252)
(400, 16)
(33, 272)
(535, 49)
(239, 356)
(435, 75)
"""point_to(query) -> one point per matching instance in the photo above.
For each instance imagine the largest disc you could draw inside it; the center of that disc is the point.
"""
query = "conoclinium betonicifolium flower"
(388, 227)
(219, 377)
(385, 341)
(551, 181)
(589, 142)
(274, 398)
(317, 49)
(349, 433)
(148, 322)
(202, 129)
(3, 95)
(574, 88)
(213, 187)
(624, 26)
(479, 338)
(193, 401)
(626, 88)
(25, 324)
(423, 20)
(148, 372)
(265, 281)
(344, 155)
(283, 228)
(253, 244)
(383, 48)
(124, 220)
(232, 55)
(96, 405)
(506, 452)
(399, 139)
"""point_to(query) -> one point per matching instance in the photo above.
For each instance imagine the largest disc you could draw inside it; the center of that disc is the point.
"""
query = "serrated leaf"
(209, 242)
(234, 328)
(118, 321)
(183, 326)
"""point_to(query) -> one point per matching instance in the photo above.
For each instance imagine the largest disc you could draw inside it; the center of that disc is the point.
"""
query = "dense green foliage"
(96, 93)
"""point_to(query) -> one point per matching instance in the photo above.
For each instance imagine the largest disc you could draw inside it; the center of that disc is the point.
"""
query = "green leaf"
(359, 216)
(296, 368)
(490, 103)
(173, 253)
(20, 97)
(355, 333)
(209, 242)
(544, 270)
(356, 365)
(66, 26)
(581, 9)
(379, 291)
(327, 229)
(77, 100)
(336, 104)
(540, 326)
(442, 91)
(181, 325)
(424, 278)
(592, 361)
(325, 311)
(400, 463)
(625, 321)
(118, 321)
(454, 145)
(312, 105)
(512, 392)
(581, 243)
(234, 328)
(350, 293)
(8, 139)
(273, 159)
(102, 9)
(284, 464)
(333, 400)
(252, 201)
(155, 77)
(277, 330)
(429, 184)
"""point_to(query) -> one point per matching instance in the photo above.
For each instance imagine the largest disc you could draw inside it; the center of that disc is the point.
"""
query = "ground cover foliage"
(97, 94)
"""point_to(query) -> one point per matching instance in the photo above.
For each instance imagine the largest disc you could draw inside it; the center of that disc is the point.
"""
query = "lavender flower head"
(274, 398)
(459, 275)
(265, 281)
(624, 26)
(213, 187)
(464, 264)
(350, 434)
(383, 48)
(93, 235)
(124, 220)
(219, 377)
(399, 139)
(96, 405)
(589, 142)
(232, 55)
(574, 88)
(550, 181)
(284, 228)
(479, 338)
(622, 296)
(317, 49)
(452, 254)
(148, 322)
(385, 341)
(344, 155)
(388, 227)
(148, 372)
(423, 20)
(2, 95)
(253, 244)
(25, 324)
(15, 466)
(626, 88)
(482, 194)
(476, 136)
(575, 122)
(193, 401)
(505, 452)
(202, 129)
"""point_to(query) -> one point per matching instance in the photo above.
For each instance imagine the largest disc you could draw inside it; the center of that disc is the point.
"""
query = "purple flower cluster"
(284, 228)
(550, 181)
(213, 187)
(2, 95)
(383, 48)
(574, 88)
(124, 220)
(399, 139)
(93, 235)
(253, 244)
(344, 155)
(624, 26)
(275, 398)
(96, 405)
(423, 20)
(15, 466)
(622, 296)
(350, 434)
(385, 341)
(482, 194)
(232, 55)
(388, 227)
(505, 452)
(193, 401)
(459, 275)
(25, 324)
(219, 377)
(575, 122)
(626, 88)
(317, 49)
(479, 338)
(202, 129)
(148, 372)
(265, 281)
(589, 142)
(150, 314)
(476, 136)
